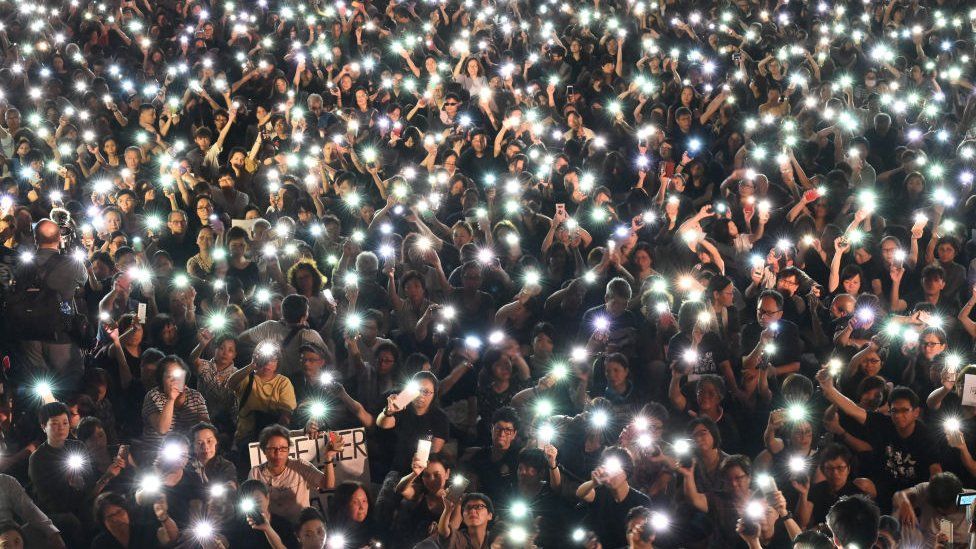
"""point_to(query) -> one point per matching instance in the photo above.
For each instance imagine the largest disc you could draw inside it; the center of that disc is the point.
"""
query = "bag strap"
(291, 335)
(247, 390)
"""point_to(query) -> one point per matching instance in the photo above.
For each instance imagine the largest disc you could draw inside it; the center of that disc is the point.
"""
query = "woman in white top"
(472, 78)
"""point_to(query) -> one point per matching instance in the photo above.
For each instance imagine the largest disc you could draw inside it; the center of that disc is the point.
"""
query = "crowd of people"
(620, 273)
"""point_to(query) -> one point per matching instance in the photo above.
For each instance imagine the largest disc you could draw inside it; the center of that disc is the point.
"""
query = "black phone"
(570, 90)
(750, 527)
(965, 499)
(255, 516)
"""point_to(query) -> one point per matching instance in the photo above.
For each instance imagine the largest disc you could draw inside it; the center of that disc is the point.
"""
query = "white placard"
(969, 390)
(353, 460)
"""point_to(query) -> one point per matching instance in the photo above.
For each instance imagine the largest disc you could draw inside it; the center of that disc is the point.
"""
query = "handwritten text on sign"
(353, 460)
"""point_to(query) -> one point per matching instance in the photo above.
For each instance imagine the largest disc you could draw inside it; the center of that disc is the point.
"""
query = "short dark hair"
(253, 485)
(506, 414)
(293, 308)
(534, 458)
(737, 460)
(854, 521)
(812, 539)
(709, 424)
(771, 294)
(904, 393)
(52, 409)
(204, 426)
(104, 500)
(836, 451)
(478, 496)
(272, 431)
(943, 489)
(308, 514)
(87, 426)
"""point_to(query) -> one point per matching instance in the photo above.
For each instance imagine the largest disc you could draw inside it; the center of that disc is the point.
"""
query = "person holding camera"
(41, 308)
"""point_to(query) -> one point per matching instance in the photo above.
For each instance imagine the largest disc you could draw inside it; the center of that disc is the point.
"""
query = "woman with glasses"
(866, 363)
(422, 417)
(833, 480)
(920, 365)
(291, 478)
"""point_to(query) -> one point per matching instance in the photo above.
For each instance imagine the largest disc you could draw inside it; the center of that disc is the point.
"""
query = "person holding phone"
(255, 525)
(938, 517)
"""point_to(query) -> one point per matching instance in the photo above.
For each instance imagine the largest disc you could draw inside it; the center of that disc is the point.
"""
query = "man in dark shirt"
(477, 162)
(902, 445)
(771, 341)
(62, 474)
(62, 273)
(176, 241)
(493, 468)
(610, 497)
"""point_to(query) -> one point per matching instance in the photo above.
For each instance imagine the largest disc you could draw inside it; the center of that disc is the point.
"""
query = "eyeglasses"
(450, 104)
(765, 313)
(834, 468)
(475, 507)
(900, 411)
(930, 344)
(505, 430)
(277, 449)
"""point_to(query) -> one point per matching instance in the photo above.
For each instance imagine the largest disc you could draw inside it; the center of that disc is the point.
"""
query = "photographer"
(43, 319)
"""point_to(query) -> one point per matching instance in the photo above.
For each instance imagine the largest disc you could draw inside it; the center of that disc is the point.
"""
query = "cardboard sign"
(353, 461)
(969, 390)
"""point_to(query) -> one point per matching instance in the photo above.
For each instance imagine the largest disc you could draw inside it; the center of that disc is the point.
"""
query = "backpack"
(34, 311)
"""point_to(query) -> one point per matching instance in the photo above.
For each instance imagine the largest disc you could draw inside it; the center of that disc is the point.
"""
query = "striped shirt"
(193, 411)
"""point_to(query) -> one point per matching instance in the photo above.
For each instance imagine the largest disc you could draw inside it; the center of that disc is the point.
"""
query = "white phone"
(141, 313)
(945, 527)
(406, 396)
(423, 450)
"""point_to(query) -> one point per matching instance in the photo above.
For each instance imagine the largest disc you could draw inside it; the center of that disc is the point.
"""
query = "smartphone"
(406, 396)
(141, 313)
(457, 487)
(945, 528)
(255, 516)
(642, 143)
(750, 527)
(124, 452)
(423, 449)
(965, 499)
(570, 90)
(560, 208)
(811, 195)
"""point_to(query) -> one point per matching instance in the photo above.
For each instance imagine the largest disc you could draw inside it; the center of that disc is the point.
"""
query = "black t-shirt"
(712, 351)
(496, 479)
(786, 341)
(178, 498)
(410, 427)
(903, 462)
(822, 499)
(240, 534)
(607, 518)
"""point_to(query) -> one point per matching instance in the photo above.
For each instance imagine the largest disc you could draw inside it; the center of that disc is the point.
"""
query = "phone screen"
(963, 500)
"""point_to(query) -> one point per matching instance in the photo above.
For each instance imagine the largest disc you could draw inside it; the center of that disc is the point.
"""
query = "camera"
(66, 226)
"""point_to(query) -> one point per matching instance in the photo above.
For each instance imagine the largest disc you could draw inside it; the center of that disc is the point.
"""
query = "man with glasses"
(902, 444)
(772, 341)
(492, 469)
(176, 240)
(290, 479)
(475, 511)
(836, 465)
